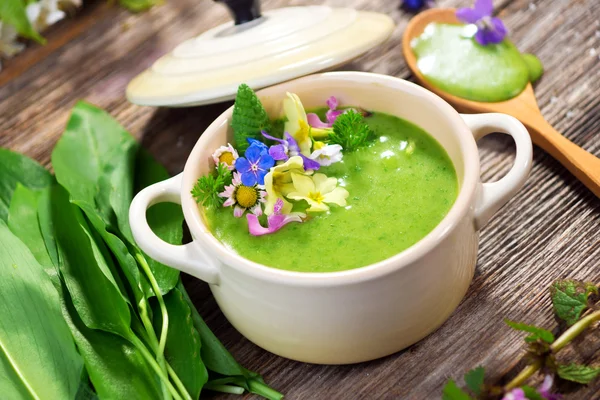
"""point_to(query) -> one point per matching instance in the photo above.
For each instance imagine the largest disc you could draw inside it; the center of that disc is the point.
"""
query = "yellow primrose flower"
(317, 190)
(297, 124)
(278, 183)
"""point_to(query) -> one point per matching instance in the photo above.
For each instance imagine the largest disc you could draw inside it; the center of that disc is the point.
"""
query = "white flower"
(44, 13)
(226, 155)
(327, 155)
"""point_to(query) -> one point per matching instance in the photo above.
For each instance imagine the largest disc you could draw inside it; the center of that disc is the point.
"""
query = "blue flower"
(416, 5)
(255, 165)
(258, 143)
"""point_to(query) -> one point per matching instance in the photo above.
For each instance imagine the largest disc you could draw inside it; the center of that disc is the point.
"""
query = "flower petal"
(242, 165)
(229, 202)
(310, 164)
(238, 211)
(336, 196)
(256, 209)
(253, 153)
(332, 103)
(332, 115)
(249, 178)
(468, 15)
(485, 8)
(260, 176)
(254, 226)
(278, 152)
(303, 184)
(265, 134)
(316, 207)
(278, 206)
(324, 184)
(499, 31)
(265, 162)
(315, 121)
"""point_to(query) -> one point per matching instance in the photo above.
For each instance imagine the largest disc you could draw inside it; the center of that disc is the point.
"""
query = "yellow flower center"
(316, 196)
(246, 196)
(227, 158)
(302, 134)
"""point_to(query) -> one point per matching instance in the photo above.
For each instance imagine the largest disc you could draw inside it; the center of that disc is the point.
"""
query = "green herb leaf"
(532, 393)
(37, 356)
(12, 12)
(570, 298)
(17, 168)
(86, 274)
(165, 219)
(350, 131)
(536, 332)
(578, 373)
(249, 118)
(139, 5)
(183, 343)
(206, 190)
(474, 380)
(23, 222)
(116, 368)
(453, 392)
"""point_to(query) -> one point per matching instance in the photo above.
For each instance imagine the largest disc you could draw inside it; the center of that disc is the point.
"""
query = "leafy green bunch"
(84, 313)
(207, 188)
(573, 304)
(350, 131)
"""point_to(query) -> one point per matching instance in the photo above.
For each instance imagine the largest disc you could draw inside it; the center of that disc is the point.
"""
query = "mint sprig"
(570, 298)
(537, 333)
(578, 373)
(249, 118)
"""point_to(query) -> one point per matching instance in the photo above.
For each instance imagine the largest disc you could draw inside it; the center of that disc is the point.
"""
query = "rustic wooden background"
(550, 230)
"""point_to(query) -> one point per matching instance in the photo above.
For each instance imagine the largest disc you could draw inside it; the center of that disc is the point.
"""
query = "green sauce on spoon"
(450, 59)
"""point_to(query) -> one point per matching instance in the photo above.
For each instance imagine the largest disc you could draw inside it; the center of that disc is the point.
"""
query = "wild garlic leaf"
(570, 298)
(165, 219)
(532, 393)
(537, 333)
(578, 373)
(183, 342)
(38, 358)
(452, 392)
(116, 368)
(85, 271)
(249, 118)
(17, 168)
(350, 131)
(474, 380)
(23, 222)
(12, 12)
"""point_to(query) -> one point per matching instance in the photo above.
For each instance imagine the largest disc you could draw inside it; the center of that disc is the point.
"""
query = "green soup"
(400, 188)
(453, 61)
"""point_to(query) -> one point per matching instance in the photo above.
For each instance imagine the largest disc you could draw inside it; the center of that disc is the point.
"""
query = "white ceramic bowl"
(360, 314)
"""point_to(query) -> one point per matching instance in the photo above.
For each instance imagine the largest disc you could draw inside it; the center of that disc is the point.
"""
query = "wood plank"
(548, 231)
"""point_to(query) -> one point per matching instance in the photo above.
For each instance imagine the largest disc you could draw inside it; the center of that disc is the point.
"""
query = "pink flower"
(225, 155)
(275, 221)
(331, 115)
(243, 197)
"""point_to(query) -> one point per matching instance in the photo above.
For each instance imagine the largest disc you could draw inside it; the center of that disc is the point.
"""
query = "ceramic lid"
(280, 45)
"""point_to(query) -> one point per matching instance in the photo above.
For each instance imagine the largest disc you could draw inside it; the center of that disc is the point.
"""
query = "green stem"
(263, 390)
(154, 365)
(178, 383)
(163, 309)
(574, 331)
(224, 388)
(564, 339)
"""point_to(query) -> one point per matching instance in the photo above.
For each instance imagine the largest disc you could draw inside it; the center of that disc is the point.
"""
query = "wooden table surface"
(550, 230)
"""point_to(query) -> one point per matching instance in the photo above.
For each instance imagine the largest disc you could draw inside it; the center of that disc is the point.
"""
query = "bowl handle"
(188, 258)
(494, 195)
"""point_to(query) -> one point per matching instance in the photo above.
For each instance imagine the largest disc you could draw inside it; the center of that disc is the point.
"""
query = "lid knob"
(243, 10)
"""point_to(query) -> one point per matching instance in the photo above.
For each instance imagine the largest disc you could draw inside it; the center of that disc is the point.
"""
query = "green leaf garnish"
(532, 393)
(249, 118)
(12, 12)
(139, 5)
(350, 131)
(537, 333)
(474, 380)
(570, 298)
(206, 190)
(578, 373)
(453, 392)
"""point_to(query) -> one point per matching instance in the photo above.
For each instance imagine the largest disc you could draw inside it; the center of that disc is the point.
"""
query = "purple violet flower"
(489, 29)
(331, 115)
(545, 387)
(287, 148)
(255, 165)
(275, 221)
(416, 5)
(515, 394)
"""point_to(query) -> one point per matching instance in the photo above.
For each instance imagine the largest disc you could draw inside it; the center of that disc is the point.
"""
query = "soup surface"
(400, 188)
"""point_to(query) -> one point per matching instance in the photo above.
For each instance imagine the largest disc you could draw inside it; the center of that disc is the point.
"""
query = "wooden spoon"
(585, 166)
